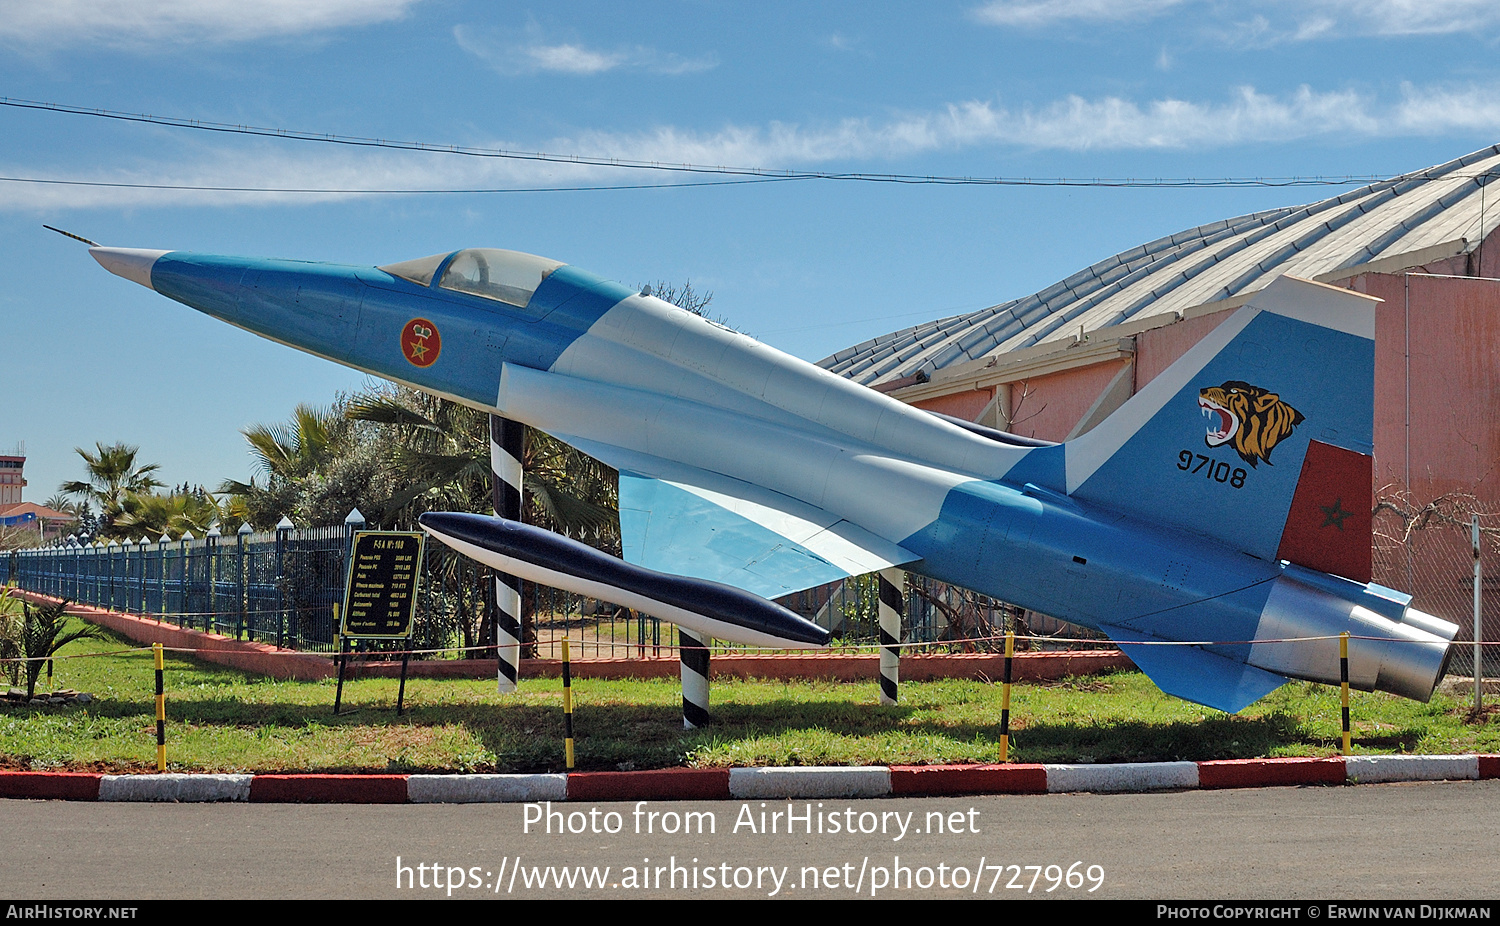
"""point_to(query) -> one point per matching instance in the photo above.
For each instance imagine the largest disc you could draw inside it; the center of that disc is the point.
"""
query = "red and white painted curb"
(746, 783)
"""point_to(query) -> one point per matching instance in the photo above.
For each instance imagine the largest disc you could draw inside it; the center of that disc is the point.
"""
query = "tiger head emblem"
(1247, 417)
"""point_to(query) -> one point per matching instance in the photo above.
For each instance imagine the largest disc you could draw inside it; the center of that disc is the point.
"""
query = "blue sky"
(1014, 88)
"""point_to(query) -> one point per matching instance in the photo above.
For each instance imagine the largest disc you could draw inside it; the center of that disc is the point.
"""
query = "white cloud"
(1047, 12)
(531, 53)
(569, 59)
(1412, 17)
(141, 22)
(1260, 22)
(1245, 117)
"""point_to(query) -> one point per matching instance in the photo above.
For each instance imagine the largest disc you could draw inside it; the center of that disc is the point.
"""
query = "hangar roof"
(1388, 226)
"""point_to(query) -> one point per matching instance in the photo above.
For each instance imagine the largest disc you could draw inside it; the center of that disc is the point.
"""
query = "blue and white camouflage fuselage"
(742, 465)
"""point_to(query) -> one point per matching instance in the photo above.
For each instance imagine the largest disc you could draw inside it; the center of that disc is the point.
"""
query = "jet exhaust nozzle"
(710, 608)
(1393, 647)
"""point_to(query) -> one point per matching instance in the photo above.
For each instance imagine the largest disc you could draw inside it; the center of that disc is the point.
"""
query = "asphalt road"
(1415, 841)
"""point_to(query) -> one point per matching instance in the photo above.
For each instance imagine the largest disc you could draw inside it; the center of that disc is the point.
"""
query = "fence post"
(71, 549)
(140, 548)
(109, 557)
(93, 547)
(161, 574)
(1478, 617)
(354, 521)
(183, 618)
(210, 570)
(240, 579)
(284, 529)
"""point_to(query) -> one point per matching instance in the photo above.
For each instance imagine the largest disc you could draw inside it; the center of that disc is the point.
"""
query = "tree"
(299, 448)
(151, 515)
(438, 451)
(42, 636)
(113, 474)
(316, 468)
(685, 297)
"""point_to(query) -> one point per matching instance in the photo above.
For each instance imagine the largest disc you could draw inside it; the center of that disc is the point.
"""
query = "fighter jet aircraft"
(1222, 510)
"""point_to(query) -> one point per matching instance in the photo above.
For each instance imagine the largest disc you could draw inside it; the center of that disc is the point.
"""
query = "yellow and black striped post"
(1344, 684)
(567, 705)
(161, 712)
(1010, 653)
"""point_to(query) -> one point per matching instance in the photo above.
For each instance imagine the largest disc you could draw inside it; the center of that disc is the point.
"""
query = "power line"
(626, 163)
(383, 191)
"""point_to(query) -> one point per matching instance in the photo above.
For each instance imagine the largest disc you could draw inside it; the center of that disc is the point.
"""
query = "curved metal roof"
(1226, 260)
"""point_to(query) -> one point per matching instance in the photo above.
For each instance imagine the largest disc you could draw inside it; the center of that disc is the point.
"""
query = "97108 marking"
(1217, 471)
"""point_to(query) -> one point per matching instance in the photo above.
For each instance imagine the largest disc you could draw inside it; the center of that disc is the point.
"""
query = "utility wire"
(626, 163)
(385, 191)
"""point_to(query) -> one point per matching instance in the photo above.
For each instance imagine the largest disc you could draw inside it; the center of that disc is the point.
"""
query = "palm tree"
(113, 475)
(440, 452)
(153, 515)
(289, 455)
(299, 448)
(42, 637)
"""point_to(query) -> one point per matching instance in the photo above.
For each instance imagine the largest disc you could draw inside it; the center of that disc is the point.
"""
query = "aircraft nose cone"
(133, 264)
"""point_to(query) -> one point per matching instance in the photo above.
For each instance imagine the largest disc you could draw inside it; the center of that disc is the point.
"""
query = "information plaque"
(382, 594)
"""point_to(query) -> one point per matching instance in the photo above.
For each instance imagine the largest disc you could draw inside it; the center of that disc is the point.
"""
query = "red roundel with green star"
(420, 342)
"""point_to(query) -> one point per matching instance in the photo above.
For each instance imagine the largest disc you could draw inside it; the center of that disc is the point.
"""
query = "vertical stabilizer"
(1259, 436)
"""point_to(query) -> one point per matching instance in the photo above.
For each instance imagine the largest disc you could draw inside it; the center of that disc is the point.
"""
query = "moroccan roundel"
(420, 342)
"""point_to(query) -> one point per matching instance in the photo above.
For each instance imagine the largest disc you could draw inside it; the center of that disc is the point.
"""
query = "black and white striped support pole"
(694, 680)
(892, 604)
(506, 438)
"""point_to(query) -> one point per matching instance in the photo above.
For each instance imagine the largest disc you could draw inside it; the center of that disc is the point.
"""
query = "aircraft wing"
(688, 521)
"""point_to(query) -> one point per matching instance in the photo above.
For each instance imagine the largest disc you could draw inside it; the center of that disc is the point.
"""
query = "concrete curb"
(1373, 769)
(182, 788)
(803, 783)
(485, 789)
(1124, 776)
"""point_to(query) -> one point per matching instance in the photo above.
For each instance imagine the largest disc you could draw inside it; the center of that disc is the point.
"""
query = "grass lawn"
(222, 720)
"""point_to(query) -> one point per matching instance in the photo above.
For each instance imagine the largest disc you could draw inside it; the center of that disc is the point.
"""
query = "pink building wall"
(966, 405)
(1049, 406)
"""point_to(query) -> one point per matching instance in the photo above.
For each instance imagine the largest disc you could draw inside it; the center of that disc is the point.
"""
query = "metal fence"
(277, 587)
(1427, 550)
(280, 587)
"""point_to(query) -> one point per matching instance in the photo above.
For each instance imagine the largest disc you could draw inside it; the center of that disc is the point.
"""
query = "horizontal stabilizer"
(1196, 674)
(685, 520)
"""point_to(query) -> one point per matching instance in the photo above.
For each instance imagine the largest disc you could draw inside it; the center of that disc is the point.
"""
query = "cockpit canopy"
(510, 277)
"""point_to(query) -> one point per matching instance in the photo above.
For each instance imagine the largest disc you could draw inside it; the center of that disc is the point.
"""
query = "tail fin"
(1259, 436)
